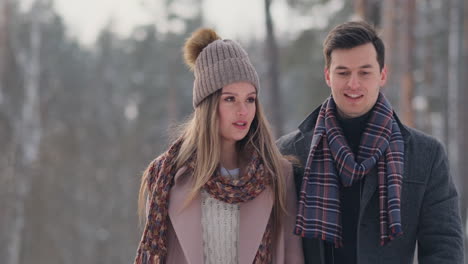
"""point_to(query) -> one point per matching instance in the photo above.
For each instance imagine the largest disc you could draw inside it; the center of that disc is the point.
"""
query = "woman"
(221, 193)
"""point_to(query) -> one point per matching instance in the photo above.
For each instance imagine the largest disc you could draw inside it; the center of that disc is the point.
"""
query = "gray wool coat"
(429, 205)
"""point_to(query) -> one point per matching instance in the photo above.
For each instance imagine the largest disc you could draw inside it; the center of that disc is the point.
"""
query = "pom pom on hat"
(196, 43)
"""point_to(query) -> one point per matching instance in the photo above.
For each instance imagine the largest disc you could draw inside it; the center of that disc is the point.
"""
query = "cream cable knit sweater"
(220, 223)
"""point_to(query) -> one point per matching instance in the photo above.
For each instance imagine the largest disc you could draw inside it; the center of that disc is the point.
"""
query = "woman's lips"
(240, 124)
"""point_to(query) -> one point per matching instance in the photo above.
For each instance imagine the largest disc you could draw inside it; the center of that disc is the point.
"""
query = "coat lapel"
(303, 143)
(254, 216)
(369, 188)
(186, 219)
(302, 147)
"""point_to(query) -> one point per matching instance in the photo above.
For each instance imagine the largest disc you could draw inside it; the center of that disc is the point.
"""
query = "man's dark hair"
(352, 34)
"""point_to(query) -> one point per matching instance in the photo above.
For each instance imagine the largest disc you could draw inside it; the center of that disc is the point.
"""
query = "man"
(369, 187)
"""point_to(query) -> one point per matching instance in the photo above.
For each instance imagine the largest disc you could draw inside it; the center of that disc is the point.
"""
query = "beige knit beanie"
(216, 63)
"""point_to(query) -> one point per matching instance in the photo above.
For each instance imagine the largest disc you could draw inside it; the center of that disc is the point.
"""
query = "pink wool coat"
(185, 241)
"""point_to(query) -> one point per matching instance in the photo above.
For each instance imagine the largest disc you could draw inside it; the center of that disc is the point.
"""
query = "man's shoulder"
(286, 142)
(422, 141)
(289, 137)
(424, 152)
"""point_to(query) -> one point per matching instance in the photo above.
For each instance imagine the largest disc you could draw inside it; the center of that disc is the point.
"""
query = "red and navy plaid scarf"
(332, 164)
(153, 244)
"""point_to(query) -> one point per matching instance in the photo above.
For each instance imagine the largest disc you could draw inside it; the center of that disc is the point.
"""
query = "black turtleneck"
(350, 197)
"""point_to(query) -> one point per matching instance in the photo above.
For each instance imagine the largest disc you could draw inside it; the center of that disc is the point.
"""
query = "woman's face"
(236, 111)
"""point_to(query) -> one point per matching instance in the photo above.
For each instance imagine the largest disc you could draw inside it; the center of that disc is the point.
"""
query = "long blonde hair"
(201, 134)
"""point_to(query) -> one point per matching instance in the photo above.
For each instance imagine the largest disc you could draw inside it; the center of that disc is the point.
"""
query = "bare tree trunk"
(369, 10)
(5, 12)
(273, 73)
(31, 127)
(3, 44)
(29, 135)
(464, 119)
(390, 38)
(407, 85)
(172, 105)
(453, 88)
(428, 61)
(393, 16)
(7, 120)
(360, 7)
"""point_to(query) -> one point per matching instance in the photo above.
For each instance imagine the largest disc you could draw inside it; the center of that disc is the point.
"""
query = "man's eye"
(343, 73)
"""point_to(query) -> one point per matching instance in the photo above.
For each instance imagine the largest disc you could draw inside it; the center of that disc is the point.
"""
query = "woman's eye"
(229, 99)
(251, 99)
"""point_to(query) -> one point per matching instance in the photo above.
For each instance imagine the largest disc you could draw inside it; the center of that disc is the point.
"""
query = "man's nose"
(353, 81)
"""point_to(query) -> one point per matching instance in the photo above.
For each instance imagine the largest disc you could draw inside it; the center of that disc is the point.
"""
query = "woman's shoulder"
(285, 163)
(286, 166)
(156, 163)
(154, 168)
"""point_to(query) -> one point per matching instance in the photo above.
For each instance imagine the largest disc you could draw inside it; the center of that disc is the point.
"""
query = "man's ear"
(326, 73)
(383, 76)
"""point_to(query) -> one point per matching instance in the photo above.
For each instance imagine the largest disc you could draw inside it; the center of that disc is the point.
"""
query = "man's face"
(355, 79)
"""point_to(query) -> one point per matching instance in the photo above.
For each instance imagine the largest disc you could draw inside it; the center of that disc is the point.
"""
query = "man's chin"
(350, 113)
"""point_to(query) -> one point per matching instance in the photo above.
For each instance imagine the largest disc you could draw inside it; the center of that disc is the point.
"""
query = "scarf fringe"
(145, 257)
